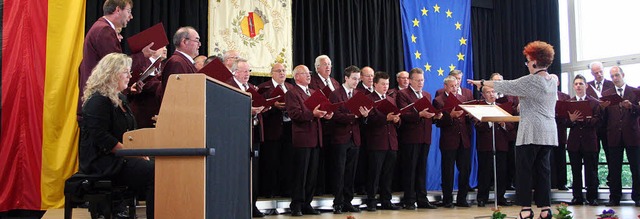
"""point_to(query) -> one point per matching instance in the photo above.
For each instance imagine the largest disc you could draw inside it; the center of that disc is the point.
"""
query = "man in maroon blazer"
(320, 80)
(102, 39)
(402, 78)
(583, 146)
(229, 57)
(275, 156)
(511, 154)
(595, 89)
(415, 140)
(466, 93)
(240, 80)
(345, 143)
(366, 76)
(306, 140)
(187, 42)
(599, 84)
(559, 154)
(382, 144)
(623, 133)
(146, 104)
(484, 144)
(455, 143)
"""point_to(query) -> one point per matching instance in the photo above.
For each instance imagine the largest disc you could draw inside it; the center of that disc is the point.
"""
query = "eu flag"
(437, 38)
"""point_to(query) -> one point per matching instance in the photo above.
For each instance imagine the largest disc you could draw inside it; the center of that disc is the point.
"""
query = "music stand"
(491, 113)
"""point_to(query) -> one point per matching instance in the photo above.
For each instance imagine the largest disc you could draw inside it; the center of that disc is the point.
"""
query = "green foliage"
(498, 215)
(563, 212)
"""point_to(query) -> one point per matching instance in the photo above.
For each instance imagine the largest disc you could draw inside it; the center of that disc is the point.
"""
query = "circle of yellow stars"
(458, 26)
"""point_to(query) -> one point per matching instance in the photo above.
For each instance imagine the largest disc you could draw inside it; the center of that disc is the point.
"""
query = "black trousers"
(413, 165)
(511, 167)
(275, 164)
(559, 166)
(138, 175)
(305, 167)
(461, 158)
(381, 165)
(532, 172)
(614, 159)
(590, 160)
(345, 159)
(485, 174)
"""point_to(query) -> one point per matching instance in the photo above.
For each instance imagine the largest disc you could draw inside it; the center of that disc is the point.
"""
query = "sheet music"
(491, 112)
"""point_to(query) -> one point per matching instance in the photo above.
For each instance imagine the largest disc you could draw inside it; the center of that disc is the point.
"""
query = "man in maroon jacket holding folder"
(455, 143)
(102, 39)
(306, 140)
(382, 144)
(187, 42)
(275, 157)
(623, 133)
(583, 145)
(415, 139)
(345, 143)
(484, 142)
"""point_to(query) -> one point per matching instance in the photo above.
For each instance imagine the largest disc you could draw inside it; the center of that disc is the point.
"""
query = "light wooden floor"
(627, 211)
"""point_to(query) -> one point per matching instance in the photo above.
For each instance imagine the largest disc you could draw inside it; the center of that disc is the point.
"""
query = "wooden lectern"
(199, 115)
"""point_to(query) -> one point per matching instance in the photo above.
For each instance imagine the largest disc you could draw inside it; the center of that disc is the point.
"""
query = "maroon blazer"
(606, 85)
(562, 127)
(176, 64)
(466, 93)
(318, 84)
(258, 130)
(99, 42)
(622, 124)
(484, 133)
(583, 134)
(453, 131)
(306, 129)
(394, 92)
(414, 129)
(345, 125)
(381, 134)
(146, 104)
(272, 119)
(360, 88)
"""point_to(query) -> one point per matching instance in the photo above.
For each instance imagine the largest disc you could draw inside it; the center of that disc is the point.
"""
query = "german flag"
(41, 51)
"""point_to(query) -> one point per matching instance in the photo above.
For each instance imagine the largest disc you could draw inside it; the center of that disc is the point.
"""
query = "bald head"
(366, 74)
(199, 61)
(302, 75)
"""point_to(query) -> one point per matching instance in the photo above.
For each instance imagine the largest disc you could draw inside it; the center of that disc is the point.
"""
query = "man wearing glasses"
(187, 42)
(229, 57)
(102, 39)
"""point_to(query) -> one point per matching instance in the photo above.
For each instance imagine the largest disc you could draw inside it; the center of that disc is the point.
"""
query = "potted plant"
(497, 214)
(563, 212)
(608, 214)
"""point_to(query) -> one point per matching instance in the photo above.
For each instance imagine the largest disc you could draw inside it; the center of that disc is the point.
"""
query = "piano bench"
(104, 199)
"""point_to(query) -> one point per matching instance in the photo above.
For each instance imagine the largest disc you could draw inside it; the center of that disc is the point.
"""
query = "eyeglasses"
(194, 40)
(280, 70)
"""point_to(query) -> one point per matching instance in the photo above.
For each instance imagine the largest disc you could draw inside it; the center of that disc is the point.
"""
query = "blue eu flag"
(437, 38)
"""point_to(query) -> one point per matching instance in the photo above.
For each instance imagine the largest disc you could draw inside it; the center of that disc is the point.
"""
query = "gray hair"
(595, 63)
(318, 59)
(235, 64)
(181, 34)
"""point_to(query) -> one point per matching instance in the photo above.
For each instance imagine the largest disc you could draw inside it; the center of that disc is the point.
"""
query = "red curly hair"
(541, 52)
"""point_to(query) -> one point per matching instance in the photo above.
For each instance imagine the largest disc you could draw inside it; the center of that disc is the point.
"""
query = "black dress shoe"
(410, 206)
(447, 205)
(504, 203)
(296, 213)
(481, 203)
(371, 206)
(257, 213)
(337, 209)
(389, 206)
(593, 203)
(576, 202)
(613, 203)
(463, 204)
(563, 188)
(310, 211)
(350, 208)
(426, 205)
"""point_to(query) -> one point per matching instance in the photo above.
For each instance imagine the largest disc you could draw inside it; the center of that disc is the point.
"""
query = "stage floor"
(323, 203)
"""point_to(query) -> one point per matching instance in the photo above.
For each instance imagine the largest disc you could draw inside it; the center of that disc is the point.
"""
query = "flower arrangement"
(608, 214)
(497, 214)
(563, 212)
